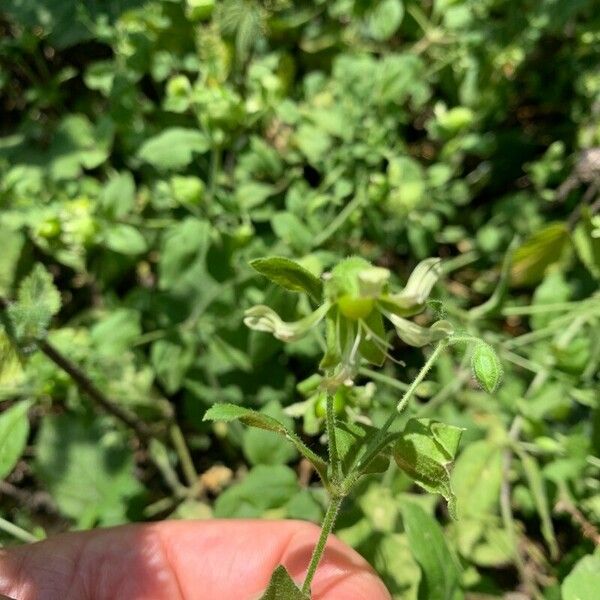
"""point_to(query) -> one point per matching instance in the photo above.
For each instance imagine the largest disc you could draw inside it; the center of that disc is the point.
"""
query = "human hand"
(183, 560)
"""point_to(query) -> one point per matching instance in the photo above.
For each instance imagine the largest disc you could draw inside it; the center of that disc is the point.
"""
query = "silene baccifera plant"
(355, 301)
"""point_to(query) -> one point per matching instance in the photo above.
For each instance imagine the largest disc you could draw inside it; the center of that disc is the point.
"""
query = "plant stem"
(326, 528)
(334, 458)
(88, 387)
(17, 532)
(377, 376)
(507, 514)
(187, 464)
(420, 377)
(373, 447)
(340, 218)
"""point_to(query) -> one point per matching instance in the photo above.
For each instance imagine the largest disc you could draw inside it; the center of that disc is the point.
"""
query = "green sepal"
(289, 275)
(282, 587)
(332, 356)
(371, 349)
(425, 451)
(252, 418)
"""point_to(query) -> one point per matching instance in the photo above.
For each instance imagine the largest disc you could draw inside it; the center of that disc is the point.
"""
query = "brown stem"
(88, 387)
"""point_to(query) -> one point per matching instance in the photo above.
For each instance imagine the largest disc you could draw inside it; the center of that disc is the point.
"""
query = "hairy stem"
(326, 528)
(334, 458)
(185, 458)
(375, 446)
(17, 532)
(506, 511)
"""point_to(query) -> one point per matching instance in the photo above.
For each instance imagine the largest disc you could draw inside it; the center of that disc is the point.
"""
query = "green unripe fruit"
(339, 401)
(487, 368)
(355, 308)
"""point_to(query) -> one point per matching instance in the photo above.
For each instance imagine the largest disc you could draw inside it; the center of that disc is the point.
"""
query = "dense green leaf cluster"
(150, 152)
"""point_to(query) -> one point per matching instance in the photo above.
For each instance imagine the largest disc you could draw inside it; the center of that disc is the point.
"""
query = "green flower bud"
(486, 366)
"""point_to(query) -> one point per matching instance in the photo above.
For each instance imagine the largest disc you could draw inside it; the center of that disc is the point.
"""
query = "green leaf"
(587, 243)
(373, 345)
(583, 582)
(38, 301)
(174, 148)
(426, 451)
(540, 497)
(89, 474)
(171, 359)
(352, 442)
(252, 418)
(385, 19)
(494, 303)
(282, 587)
(291, 230)
(118, 195)
(531, 259)
(125, 239)
(183, 253)
(441, 575)
(11, 369)
(289, 275)
(476, 479)
(265, 488)
(12, 246)
(263, 318)
(14, 430)
(267, 447)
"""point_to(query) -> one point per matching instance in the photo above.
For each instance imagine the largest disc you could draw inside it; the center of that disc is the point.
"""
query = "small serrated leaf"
(38, 301)
(282, 587)
(289, 275)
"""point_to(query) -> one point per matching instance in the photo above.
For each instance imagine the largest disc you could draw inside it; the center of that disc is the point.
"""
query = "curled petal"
(422, 280)
(415, 335)
(263, 318)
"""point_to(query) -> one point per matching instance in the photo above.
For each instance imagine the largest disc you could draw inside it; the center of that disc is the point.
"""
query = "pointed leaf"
(441, 575)
(426, 451)
(583, 581)
(252, 418)
(540, 497)
(11, 370)
(531, 259)
(282, 587)
(353, 440)
(14, 429)
(289, 275)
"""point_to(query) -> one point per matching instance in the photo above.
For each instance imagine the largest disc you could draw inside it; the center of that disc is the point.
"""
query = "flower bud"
(486, 366)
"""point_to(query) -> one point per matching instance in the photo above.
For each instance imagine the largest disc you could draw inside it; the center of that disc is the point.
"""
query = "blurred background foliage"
(150, 149)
